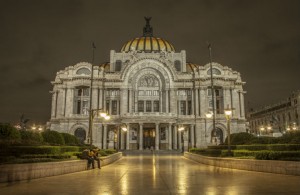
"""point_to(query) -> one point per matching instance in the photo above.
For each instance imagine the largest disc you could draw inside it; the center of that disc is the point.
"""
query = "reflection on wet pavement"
(158, 174)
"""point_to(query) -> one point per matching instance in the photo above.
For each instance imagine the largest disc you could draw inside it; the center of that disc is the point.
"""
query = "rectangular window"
(155, 106)
(114, 105)
(189, 107)
(182, 107)
(148, 106)
(140, 106)
(107, 106)
(118, 65)
(78, 106)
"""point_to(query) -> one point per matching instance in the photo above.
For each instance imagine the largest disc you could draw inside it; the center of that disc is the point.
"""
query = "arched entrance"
(217, 136)
(80, 134)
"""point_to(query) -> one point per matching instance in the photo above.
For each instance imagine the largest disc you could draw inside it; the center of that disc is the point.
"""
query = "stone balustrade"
(269, 166)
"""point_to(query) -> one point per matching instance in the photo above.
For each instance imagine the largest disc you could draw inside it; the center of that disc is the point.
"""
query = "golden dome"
(147, 43)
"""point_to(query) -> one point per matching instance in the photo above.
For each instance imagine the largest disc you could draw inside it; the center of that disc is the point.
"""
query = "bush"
(264, 140)
(31, 137)
(70, 140)
(53, 137)
(9, 134)
(277, 155)
(110, 151)
(240, 138)
(292, 137)
(252, 147)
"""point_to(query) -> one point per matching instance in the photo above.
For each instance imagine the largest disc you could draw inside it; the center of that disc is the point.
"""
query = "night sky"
(260, 39)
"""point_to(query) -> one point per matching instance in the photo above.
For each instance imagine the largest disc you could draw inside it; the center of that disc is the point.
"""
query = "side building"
(150, 89)
(276, 119)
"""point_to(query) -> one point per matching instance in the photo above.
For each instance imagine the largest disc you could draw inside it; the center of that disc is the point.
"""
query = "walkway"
(161, 174)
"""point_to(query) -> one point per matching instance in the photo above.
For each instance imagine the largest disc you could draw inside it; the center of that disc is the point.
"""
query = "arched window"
(215, 71)
(80, 134)
(84, 71)
(177, 64)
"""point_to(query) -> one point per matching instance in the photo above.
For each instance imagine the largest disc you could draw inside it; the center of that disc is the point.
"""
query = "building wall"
(175, 90)
(280, 117)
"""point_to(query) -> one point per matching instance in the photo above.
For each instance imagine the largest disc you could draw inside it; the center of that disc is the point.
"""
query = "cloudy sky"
(258, 38)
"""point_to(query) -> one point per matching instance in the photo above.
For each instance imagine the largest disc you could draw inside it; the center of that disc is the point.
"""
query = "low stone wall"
(269, 166)
(28, 171)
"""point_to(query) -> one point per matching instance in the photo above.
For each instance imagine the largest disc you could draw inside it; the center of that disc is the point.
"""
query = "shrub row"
(50, 150)
(273, 147)
(277, 155)
(292, 137)
(9, 135)
(206, 152)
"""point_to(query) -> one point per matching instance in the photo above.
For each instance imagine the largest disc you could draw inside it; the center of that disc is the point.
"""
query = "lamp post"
(181, 141)
(92, 114)
(228, 113)
(207, 116)
(261, 129)
(212, 87)
(121, 127)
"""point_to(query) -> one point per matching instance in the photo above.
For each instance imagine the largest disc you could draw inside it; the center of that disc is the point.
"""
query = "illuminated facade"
(276, 118)
(151, 89)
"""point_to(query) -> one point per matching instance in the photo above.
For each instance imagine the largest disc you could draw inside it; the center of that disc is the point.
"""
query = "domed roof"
(147, 43)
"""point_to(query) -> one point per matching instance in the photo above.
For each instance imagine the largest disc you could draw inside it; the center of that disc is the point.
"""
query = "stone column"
(242, 103)
(105, 137)
(192, 102)
(160, 101)
(180, 140)
(122, 134)
(192, 135)
(175, 137)
(130, 101)
(127, 136)
(94, 98)
(170, 136)
(156, 136)
(141, 137)
(53, 105)
(203, 102)
(167, 101)
(70, 102)
(100, 98)
(135, 101)
(173, 101)
(123, 101)
(196, 102)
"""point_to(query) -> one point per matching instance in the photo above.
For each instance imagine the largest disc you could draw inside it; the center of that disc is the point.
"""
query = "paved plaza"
(158, 174)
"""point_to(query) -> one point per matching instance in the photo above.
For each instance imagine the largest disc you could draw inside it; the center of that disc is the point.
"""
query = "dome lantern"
(147, 43)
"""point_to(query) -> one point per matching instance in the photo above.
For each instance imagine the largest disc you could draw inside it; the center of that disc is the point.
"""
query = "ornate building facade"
(277, 118)
(150, 88)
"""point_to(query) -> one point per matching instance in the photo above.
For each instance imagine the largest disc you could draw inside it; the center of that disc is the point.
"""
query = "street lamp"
(261, 129)
(93, 113)
(228, 113)
(207, 116)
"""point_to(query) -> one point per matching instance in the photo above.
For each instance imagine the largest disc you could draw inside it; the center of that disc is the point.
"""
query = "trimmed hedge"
(31, 137)
(53, 137)
(273, 147)
(70, 140)
(206, 152)
(277, 155)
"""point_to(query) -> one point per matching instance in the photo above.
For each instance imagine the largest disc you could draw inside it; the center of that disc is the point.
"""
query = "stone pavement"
(158, 174)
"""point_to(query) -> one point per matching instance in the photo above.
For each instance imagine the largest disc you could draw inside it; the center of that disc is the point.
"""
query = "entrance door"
(149, 138)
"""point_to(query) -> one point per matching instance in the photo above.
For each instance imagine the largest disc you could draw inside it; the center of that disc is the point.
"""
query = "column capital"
(141, 124)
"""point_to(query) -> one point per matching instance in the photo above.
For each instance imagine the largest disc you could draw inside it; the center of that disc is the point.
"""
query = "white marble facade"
(150, 88)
